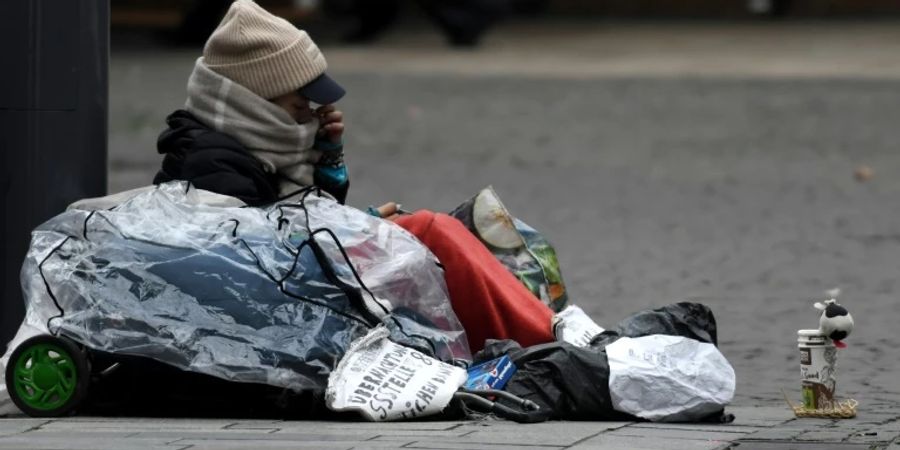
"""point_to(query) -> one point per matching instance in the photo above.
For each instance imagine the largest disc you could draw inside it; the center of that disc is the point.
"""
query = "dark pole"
(53, 131)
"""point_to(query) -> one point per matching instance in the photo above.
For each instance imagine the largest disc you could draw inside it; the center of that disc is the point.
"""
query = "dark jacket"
(217, 162)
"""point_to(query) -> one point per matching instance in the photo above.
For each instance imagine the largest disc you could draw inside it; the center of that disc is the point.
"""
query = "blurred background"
(739, 153)
(192, 20)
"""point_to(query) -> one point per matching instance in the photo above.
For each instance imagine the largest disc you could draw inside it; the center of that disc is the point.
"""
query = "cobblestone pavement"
(665, 162)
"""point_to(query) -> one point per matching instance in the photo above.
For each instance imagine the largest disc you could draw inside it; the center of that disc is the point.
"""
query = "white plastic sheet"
(668, 378)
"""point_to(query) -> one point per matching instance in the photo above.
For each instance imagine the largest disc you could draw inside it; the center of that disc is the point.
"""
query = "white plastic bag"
(668, 378)
(385, 381)
(572, 325)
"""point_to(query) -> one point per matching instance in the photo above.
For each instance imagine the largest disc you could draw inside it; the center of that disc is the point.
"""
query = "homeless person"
(249, 130)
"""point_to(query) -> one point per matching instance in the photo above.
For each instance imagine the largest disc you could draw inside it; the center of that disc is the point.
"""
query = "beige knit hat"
(266, 54)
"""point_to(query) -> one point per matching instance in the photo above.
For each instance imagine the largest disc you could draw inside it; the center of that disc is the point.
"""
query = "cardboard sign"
(386, 381)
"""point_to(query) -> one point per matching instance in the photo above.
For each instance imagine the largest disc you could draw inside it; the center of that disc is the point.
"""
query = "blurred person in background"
(249, 130)
(463, 22)
(199, 20)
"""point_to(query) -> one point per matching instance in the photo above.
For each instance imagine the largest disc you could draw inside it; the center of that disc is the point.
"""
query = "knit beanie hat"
(267, 55)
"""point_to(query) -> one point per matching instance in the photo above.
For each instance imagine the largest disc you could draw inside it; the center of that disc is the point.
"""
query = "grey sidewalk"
(756, 428)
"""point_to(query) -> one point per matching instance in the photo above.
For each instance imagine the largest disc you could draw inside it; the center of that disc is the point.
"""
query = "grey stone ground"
(665, 161)
(757, 428)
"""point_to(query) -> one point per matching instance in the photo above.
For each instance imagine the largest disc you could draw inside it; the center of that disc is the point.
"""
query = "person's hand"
(331, 123)
(389, 211)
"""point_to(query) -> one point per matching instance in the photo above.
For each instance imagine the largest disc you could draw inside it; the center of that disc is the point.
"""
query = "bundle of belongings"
(311, 298)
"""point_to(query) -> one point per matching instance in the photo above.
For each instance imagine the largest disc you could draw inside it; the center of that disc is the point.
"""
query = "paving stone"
(675, 434)
(893, 425)
(380, 445)
(10, 427)
(548, 433)
(310, 435)
(774, 434)
(874, 435)
(89, 433)
(396, 437)
(551, 427)
(884, 415)
(492, 438)
(812, 422)
(862, 425)
(87, 443)
(760, 415)
(225, 444)
(824, 436)
(88, 419)
(289, 426)
(256, 425)
(611, 442)
(134, 419)
(769, 445)
(714, 428)
(477, 446)
(139, 424)
(385, 432)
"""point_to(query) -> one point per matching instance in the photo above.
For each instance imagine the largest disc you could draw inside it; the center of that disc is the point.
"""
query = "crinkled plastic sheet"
(262, 295)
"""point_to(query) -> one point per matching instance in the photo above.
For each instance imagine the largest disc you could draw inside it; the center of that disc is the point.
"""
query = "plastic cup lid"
(810, 333)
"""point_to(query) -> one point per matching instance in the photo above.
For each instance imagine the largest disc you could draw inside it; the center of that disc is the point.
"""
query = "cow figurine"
(836, 323)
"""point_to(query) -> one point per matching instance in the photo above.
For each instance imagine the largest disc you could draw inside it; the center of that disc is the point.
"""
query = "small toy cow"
(835, 323)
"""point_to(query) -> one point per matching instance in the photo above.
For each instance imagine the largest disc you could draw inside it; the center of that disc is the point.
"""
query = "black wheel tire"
(70, 357)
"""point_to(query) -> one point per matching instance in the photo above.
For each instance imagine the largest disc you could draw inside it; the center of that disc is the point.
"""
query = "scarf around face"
(269, 133)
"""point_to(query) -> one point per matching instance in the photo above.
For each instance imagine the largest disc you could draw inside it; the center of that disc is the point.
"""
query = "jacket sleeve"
(331, 173)
(224, 171)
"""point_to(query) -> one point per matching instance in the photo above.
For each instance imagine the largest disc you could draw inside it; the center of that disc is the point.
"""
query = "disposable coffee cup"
(817, 358)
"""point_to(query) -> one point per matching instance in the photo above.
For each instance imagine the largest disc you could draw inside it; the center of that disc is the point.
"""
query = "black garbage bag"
(574, 382)
(692, 320)
(569, 380)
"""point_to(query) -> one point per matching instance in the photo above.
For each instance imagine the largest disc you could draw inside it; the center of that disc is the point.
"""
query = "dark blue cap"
(323, 90)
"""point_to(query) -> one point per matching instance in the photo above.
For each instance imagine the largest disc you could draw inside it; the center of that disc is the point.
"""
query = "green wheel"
(47, 376)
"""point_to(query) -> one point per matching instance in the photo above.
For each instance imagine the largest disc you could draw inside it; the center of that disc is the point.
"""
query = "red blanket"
(489, 301)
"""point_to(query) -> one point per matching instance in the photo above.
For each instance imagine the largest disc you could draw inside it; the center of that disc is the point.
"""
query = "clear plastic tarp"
(269, 295)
